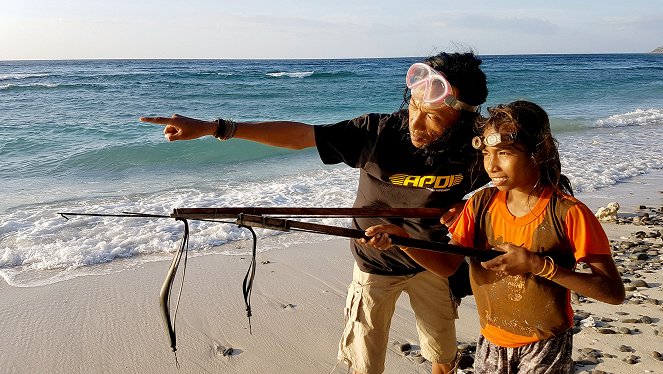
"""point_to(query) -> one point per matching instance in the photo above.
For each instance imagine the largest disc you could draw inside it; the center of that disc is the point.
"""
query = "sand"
(111, 323)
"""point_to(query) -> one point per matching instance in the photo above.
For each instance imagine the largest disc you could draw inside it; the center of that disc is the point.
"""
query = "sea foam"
(638, 117)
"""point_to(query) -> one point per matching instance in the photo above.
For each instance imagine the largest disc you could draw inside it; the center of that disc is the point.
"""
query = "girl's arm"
(603, 283)
(441, 264)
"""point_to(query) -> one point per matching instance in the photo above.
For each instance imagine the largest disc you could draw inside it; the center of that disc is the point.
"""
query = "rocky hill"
(658, 50)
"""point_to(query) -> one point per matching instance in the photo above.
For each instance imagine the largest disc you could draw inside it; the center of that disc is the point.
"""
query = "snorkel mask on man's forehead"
(431, 87)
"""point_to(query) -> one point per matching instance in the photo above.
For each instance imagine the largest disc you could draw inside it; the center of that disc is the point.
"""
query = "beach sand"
(112, 323)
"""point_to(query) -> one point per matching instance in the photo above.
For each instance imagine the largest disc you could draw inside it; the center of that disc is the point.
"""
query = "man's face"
(428, 124)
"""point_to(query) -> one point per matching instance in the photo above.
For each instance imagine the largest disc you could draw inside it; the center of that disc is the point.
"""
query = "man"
(418, 157)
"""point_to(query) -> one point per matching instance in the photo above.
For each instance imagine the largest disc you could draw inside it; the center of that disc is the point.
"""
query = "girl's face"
(509, 167)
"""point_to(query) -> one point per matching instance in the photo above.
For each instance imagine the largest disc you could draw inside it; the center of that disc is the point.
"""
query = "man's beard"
(433, 147)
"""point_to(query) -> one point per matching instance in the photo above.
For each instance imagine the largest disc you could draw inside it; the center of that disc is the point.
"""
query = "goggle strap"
(459, 105)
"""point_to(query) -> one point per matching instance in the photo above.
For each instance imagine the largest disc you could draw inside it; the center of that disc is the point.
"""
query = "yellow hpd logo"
(435, 182)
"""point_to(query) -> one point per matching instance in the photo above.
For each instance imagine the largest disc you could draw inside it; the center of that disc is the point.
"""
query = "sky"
(224, 29)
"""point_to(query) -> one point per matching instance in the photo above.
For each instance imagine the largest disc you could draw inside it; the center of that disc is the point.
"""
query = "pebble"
(625, 348)
(466, 348)
(657, 355)
(419, 360)
(402, 347)
(646, 319)
(607, 331)
(580, 315)
(465, 362)
(589, 361)
(632, 359)
(624, 330)
(640, 283)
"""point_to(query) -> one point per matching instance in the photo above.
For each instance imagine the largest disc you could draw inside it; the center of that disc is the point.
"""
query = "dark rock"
(646, 320)
(624, 330)
(630, 320)
(584, 362)
(403, 347)
(640, 283)
(586, 351)
(657, 355)
(607, 331)
(625, 348)
(465, 362)
(419, 359)
(580, 315)
(591, 360)
(632, 359)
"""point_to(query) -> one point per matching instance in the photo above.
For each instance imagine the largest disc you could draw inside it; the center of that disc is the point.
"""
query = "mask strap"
(452, 102)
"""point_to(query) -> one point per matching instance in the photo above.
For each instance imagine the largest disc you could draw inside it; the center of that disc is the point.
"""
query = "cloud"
(515, 24)
(645, 23)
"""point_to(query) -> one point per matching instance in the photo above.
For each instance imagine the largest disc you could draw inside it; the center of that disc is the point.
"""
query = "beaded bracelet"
(225, 129)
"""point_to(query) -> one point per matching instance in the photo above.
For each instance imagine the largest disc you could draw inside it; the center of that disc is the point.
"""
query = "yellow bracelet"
(545, 265)
(552, 274)
(551, 269)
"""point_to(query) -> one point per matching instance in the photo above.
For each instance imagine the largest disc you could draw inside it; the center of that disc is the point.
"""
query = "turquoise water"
(70, 140)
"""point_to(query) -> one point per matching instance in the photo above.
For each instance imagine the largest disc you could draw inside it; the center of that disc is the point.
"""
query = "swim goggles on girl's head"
(432, 87)
(492, 140)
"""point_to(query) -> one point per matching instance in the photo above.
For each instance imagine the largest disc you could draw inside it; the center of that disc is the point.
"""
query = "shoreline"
(112, 323)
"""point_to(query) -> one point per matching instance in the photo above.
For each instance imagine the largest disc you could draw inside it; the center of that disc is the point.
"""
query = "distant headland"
(657, 50)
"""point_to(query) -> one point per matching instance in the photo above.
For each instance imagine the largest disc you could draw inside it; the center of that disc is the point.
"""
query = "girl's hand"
(515, 260)
(379, 236)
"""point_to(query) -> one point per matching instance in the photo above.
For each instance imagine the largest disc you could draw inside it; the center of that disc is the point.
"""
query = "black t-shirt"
(393, 173)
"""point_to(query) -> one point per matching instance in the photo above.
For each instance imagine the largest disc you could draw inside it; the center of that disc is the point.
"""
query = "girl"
(523, 296)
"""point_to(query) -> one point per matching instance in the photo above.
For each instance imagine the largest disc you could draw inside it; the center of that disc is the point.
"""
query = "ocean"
(70, 140)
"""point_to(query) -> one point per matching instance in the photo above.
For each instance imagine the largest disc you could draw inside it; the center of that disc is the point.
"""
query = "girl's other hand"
(516, 260)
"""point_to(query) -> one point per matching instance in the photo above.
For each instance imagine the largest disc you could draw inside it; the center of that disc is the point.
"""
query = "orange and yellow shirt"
(521, 309)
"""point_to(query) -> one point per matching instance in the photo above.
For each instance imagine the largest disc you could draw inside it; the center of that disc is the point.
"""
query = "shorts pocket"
(351, 311)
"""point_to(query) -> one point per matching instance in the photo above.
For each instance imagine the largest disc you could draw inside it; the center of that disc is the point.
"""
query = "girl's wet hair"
(531, 125)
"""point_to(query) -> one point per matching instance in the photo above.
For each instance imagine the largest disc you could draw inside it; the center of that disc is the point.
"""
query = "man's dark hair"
(463, 71)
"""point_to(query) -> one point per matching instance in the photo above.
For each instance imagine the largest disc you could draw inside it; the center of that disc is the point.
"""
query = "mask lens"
(437, 89)
(416, 75)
